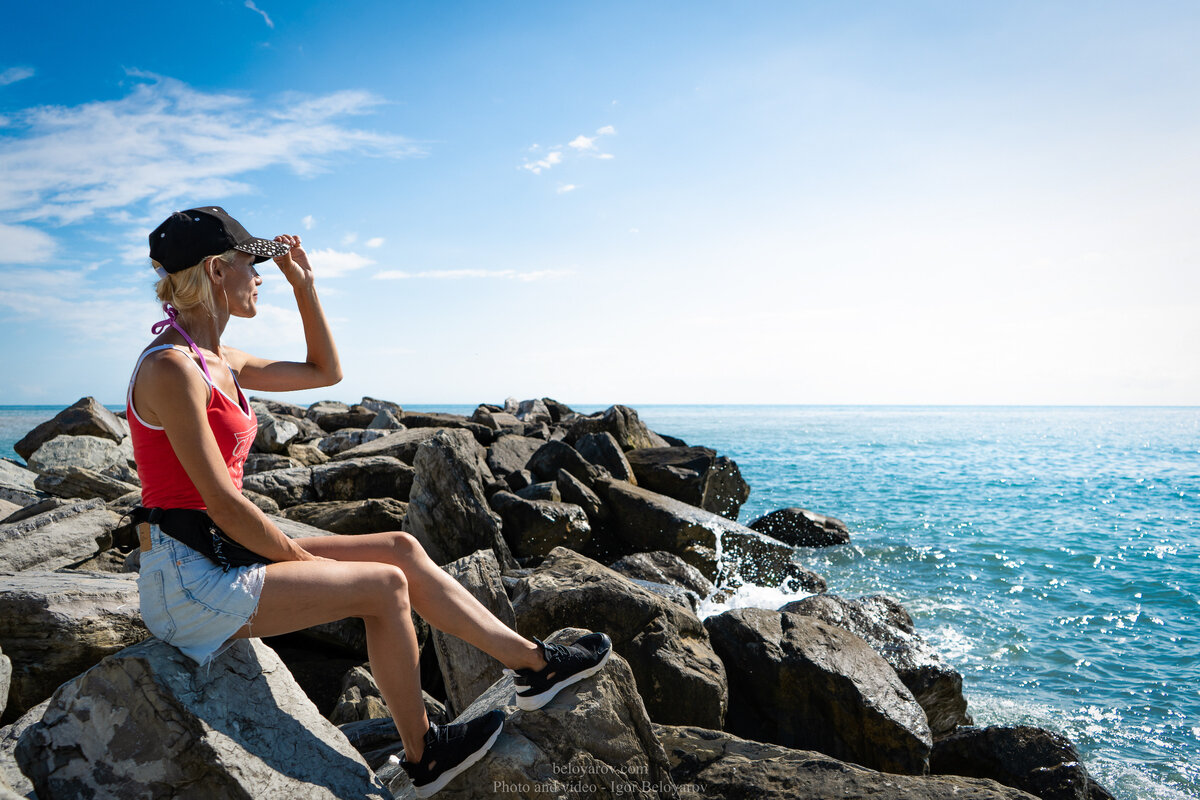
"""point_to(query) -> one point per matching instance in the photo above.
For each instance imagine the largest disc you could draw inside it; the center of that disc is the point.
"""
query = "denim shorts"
(192, 603)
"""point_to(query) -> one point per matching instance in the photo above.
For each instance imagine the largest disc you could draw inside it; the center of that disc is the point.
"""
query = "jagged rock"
(54, 625)
(16, 483)
(279, 407)
(344, 439)
(800, 682)
(359, 478)
(594, 733)
(354, 418)
(40, 507)
(86, 452)
(643, 521)
(400, 444)
(533, 411)
(663, 567)
(274, 433)
(727, 490)
(533, 528)
(379, 406)
(511, 453)
(57, 538)
(287, 487)
(467, 671)
(573, 490)
(146, 723)
(447, 510)
(558, 411)
(884, 624)
(521, 479)
(623, 423)
(693, 475)
(72, 481)
(540, 491)
(265, 462)
(264, 503)
(602, 450)
(1034, 760)
(482, 433)
(10, 771)
(679, 676)
(323, 407)
(801, 528)
(539, 430)
(84, 417)
(498, 421)
(5, 680)
(307, 454)
(105, 561)
(714, 764)
(387, 421)
(374, 515)
(360, 699)
(553, 456)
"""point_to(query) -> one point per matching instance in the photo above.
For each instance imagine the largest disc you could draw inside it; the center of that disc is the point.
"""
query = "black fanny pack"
(196, 529)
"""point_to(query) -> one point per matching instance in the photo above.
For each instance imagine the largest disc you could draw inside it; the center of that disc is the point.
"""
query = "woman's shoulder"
(169, 365)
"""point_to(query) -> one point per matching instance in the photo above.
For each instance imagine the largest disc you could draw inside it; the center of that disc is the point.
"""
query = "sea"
(1051, 554)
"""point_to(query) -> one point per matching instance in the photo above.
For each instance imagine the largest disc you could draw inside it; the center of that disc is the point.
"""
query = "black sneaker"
(451, 749)
(565, 666)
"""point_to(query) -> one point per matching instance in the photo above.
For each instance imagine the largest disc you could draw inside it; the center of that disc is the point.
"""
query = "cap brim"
(263, 249)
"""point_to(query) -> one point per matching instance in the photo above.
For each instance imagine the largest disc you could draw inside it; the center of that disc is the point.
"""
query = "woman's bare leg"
(437, 597)
(300, 594)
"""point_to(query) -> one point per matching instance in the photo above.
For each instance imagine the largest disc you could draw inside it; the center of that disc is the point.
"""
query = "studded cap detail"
(185, 238)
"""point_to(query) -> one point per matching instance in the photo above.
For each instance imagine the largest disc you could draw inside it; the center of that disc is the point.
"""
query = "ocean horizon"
(1050, 553)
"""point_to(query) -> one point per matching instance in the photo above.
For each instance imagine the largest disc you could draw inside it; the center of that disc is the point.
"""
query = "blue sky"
(625, 202)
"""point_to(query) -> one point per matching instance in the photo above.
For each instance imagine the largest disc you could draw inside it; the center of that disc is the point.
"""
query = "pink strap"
(160, 326)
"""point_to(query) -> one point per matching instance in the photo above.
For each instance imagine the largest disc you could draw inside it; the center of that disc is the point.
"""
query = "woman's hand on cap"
(294, 264)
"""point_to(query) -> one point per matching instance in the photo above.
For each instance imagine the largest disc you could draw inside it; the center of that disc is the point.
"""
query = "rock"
(693, 475)
(354, 418)
(323, 407)
(386, 420)
(553, 456)
(727, 490)
(379, 406)
(594, 733)
(1034, 760)
(602, 450)
(466, 670)
(106, 561)
(265, 462)
(16, 483)
(558, 411)
(85, 417)
(663, 567)
(377, 739)
(511, 453)
(678, 675)
(521, 479)
(5, 680)
(40, 507)
(643, 521)
(715, 764)
(573, 490)
(10, 772)
(86, 452)
(264, 503)
(274, 433)
(287, 487)
(447, 510)
(55, 625)
(374, 515)
(498, 421)
(801, 528)
(360, 699)
(7, 509)
(482, 433)
(799, 682)
(307, 454)
(58, 538)
(533, 528)
(934, 683)
(72, 481)
(533, 411)
(279, 407)
(400, 444)
(623, 423)
(360, 478)
(540, 491)
(146, 723)
(348, 438)
(295, 529)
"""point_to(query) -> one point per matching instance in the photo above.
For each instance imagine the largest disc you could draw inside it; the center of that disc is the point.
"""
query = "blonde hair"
(191, 287)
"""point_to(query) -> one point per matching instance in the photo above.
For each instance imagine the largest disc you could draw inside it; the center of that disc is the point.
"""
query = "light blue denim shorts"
(192, 603)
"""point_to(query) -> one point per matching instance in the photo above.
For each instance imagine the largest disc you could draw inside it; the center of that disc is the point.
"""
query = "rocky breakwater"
(555, 520)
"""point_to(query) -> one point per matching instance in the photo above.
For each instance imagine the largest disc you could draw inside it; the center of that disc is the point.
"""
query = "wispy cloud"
(70, 299)
(14, 74)
(250, 5)
(336, 263)
(20, 244)
(375, 242)
(566, 187)
(465, 274)
(308, 222)
(582, 145)
(536, 167)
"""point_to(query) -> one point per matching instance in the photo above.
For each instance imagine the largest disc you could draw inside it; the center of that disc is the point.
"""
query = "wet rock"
(679, 676)
(400, 444)
(344, 439)
(146, 723)
(540, 491)
(55, 625)
(573, 490)
(663, 567)
(884, 624)
(511, 453)
(693, 475)
(802, 683)
(287, 487)
(57, 538)
(802, 528)
(360, 699)
(374, 515)
(533, 528)
(624, 425)
(16, 483)
(447, 510)
(359, 478)
(602, 450)
(85, 417)
(265, 462)
(708, 764)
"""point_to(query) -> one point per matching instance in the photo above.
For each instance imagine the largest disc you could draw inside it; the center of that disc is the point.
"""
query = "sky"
(628, 202)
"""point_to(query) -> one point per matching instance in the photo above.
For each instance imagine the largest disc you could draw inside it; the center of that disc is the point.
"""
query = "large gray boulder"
(447, 510)
(55, 625)
(287, 487)
(593, 740)
(57, 538)
(800, 527)
(16, 483)
(146, 723)
(624, 425)
(344, 439)
(274, 433)
(87, 452)
(72, 481)
(693, 475)
(533, 528)
(511, 453)
(663, 567)
(884, 624)
(10, 771)
(354, 418)
(714, 764)
(399, 444)
(360, 478)
(265, 462)
(680, 678)
(374, 515)
(84, 417)
(800, 682)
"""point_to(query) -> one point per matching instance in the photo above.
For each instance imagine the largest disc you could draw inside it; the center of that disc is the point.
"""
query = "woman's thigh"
(393, 547)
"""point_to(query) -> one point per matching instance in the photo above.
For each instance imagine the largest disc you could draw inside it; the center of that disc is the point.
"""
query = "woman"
(192, 428)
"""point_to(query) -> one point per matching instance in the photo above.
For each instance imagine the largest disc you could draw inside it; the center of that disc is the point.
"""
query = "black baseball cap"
(186, 238)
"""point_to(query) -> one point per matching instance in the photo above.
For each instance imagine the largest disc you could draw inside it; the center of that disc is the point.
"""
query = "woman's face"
(241, 282)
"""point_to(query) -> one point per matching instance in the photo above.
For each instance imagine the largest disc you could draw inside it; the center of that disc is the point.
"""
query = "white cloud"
(68, 299)
(549, 161)
(375, 242)
(581, 145)
(605, 156)
(460, 274)
(20, 244)
(14, 74)
(349, 239)
(582, 142)
(250, 5)
(164, 142)
(566, 187)
(607, 130)
(308, 222)
(335, 263)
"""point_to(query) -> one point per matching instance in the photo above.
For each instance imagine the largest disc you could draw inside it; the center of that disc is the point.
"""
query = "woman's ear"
(215, 270)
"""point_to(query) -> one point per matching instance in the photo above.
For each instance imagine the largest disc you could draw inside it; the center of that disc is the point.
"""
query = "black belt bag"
(196, 529)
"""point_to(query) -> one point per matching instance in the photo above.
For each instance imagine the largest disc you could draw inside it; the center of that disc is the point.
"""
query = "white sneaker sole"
(535, 701)
(434, 787)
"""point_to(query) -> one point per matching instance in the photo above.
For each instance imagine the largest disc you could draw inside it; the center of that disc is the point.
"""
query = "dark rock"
(357, 417)
(482, 434)
(360, 699)
(323, 407)
(264, 503)
(400, 444)
(84, 417)
(287, 487)
(693, 475)
(623, 423)
(934, 683)
(679, 676)
(540, 491)
(516, 481)
(801, 528)
(57, 538)
(602, 450)
(374, 515)
(576, 491)
(663, 567)
(799, 682)
(498, 421)
(726, 490)
(533, 528)
(553, 456)
(377, 739)
(511, 453)
(558, 411)
(265, 462)
(10, 771)
(40, 507)
(344, 439)
(360, 478)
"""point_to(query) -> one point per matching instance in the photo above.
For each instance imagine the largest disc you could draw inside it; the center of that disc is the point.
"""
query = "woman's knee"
(406, 549)
(386, 590)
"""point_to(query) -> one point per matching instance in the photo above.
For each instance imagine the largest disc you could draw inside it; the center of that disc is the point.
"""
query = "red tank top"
(165, 483)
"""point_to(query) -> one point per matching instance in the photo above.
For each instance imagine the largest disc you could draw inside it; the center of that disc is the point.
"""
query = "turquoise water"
(1051, 554)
